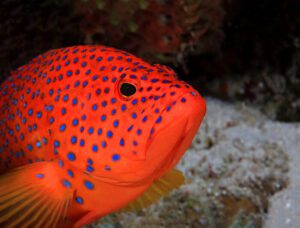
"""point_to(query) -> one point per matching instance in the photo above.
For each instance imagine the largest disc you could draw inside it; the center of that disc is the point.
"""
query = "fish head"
(162, 118)
(127, 120)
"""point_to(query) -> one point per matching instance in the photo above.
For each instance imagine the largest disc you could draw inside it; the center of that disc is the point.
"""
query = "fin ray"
(30, 200)
(160, 187)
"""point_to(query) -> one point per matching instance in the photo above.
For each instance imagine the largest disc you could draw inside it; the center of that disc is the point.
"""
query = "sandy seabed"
(242, 170)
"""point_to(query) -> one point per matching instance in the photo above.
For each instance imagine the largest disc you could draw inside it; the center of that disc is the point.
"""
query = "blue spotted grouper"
(88, 130)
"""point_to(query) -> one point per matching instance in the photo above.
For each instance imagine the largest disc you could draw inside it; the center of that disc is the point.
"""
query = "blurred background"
(232, 49)
(235, 50)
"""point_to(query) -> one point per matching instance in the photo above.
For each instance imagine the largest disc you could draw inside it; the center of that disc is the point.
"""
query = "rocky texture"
(241, 172)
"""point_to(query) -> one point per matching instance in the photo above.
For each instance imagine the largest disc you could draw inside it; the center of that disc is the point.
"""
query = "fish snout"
(194, 109)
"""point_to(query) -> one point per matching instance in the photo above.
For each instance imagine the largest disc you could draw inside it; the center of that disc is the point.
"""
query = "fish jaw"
(173, 138)
(167, 145)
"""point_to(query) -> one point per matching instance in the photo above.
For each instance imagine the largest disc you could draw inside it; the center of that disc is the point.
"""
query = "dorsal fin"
(161, 187)
(33, 196)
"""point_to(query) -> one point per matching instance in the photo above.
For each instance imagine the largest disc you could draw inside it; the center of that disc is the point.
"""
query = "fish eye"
(127, 89)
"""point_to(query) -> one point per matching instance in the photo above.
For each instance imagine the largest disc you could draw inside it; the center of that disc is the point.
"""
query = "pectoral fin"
(33, 196)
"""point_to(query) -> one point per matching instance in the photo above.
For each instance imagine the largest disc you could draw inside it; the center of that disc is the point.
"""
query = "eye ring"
(127, 89)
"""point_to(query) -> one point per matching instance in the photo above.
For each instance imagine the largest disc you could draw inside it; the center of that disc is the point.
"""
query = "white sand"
(251, 135)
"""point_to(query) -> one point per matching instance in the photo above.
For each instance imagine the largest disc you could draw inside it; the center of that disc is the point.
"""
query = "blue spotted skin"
(66, 106)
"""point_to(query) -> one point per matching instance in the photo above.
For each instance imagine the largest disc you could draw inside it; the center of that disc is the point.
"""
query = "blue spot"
(88, 184)
(183, 100)
(38, 144)
(139, 131)
(66, 183)
(99, 131)
(122, 142)
(73, 139)
(130, 127)
(123, 107)
(133, 115)
(113, 100)
(71, 156)
(17, 127)
(104, 103)
(134, 102)
(103, 144)
(40, 175)
(103, 117)
(39, 114)
(109, 134)
(44, 140)
(89, 168)
(76, 83)
(74, 101)
(62, 127)
(69, 73)
(84, 84)
(95, 148)
(75, 122)
(70, 173)
(90, 161)
(66, 97)
(91, 130)
(116, 123)
(30, 112)
(29, 147)
(116, 157)
(79, 200)
(81, 143)
(95, 107)
(56, 143)
(63, 111)
(158, 120)
(83, 117)
(60, 163)
(144, 119)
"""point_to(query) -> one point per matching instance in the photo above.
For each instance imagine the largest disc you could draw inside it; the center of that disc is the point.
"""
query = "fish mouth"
(173, 138)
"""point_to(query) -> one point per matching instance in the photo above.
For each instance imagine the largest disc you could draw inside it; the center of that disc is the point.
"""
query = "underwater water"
(243, 56)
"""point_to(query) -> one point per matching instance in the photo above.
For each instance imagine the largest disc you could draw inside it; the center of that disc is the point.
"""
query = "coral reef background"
(233, 49)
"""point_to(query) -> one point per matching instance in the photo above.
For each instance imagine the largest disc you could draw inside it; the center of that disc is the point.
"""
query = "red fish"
(88, 130)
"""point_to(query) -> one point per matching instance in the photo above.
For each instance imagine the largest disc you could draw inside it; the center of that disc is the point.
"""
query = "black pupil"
(127, 89)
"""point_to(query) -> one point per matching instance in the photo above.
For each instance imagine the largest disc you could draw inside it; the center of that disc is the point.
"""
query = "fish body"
(86, 130)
